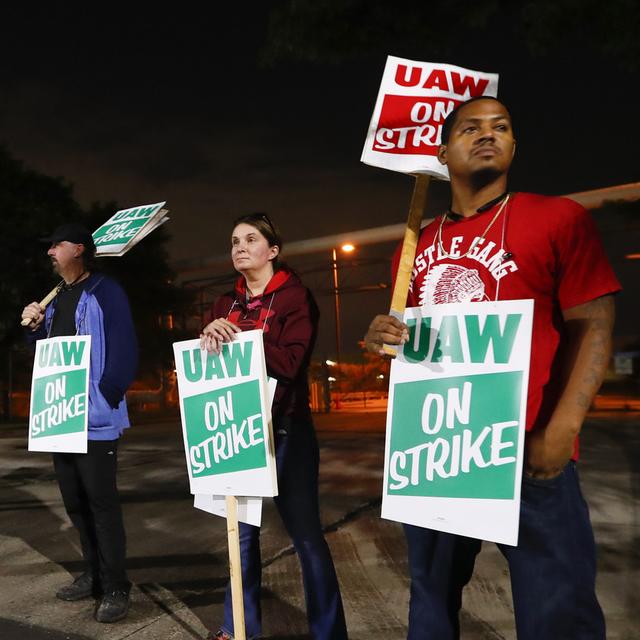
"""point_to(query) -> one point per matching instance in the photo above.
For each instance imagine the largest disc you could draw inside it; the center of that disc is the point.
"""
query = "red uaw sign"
(413, 101)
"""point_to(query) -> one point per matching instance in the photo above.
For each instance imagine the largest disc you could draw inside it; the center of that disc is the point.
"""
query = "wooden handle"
(235, 568)
(44, 302)
(408, 252)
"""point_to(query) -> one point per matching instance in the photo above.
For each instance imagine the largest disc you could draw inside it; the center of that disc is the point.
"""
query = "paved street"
(178, 555)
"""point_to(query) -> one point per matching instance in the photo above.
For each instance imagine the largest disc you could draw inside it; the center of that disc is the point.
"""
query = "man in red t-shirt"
(495, 245)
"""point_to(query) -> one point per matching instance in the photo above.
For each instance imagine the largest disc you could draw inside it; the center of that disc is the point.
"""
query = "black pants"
(88, 485)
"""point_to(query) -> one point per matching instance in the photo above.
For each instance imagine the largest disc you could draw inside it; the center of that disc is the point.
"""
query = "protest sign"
(127, 227)
(225, 418)
(58, 415)
(249, 509)
(456, 419)
(413, 101)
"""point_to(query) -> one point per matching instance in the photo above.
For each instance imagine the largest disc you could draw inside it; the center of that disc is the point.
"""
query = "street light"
(347, 248)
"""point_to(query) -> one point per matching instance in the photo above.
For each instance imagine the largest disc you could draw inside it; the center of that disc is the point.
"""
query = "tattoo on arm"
(591, 325)
(583, 401)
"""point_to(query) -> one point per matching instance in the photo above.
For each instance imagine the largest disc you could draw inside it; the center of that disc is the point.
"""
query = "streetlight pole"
(336, 303)
(336, 299)
(347, 248)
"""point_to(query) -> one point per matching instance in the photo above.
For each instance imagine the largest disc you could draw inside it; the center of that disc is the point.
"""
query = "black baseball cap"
(72, 232)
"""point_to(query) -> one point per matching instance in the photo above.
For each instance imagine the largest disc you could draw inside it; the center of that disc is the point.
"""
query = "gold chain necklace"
(441, 250)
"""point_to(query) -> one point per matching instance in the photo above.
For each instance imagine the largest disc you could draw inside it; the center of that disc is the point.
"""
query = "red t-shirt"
(551, 252)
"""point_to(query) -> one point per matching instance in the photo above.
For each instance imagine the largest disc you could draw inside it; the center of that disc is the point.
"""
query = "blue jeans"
(297, 459)
(553, 569)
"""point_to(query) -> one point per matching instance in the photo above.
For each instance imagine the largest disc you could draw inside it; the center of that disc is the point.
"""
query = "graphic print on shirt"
(451, 283)
(437, 282)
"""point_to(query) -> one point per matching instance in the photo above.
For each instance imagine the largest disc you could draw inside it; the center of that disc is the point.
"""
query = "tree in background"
(31, 204)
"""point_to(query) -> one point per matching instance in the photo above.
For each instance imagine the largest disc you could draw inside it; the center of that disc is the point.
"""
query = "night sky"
(176, 106)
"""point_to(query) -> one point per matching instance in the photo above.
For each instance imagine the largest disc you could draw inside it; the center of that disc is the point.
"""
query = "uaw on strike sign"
(58, 415)
(127, 227)
(456, 419)
(226, 420)
(413, 102)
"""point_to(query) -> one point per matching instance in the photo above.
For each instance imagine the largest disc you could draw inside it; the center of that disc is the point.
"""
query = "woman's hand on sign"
(34, 313)
(385, 330)
(216, 333)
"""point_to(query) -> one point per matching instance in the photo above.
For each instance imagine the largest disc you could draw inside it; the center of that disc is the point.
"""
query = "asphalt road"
(178, 555)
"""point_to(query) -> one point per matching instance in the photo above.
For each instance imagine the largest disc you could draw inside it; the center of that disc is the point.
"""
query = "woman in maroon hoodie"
(269, 296)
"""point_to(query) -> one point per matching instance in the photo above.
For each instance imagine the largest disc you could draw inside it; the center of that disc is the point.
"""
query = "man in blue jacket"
(92, 304)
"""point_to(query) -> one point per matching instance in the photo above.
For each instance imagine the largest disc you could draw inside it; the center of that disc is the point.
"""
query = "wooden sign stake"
(45, 301)
(408, 252)
(235, 568)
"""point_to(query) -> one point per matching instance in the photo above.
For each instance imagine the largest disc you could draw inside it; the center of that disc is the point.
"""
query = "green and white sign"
(60, 395)
(127, 227)
(226, 421)
(456, 419)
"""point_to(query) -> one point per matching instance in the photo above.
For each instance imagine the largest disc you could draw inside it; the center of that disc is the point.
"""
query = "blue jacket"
(103, 313)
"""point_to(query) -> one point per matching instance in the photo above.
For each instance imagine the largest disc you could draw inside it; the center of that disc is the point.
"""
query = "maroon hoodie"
(288, 315)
